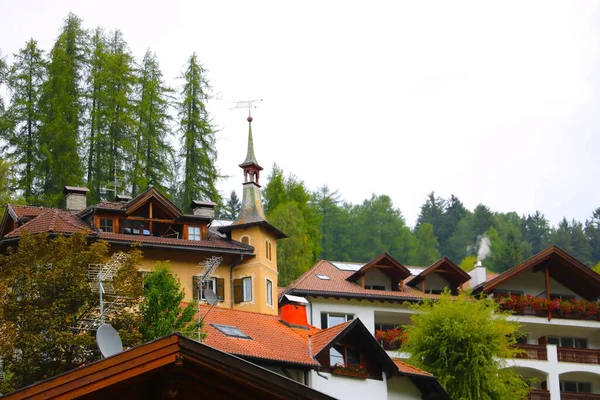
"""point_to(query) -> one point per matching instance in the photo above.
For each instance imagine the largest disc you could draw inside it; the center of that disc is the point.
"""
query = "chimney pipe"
(478, 274)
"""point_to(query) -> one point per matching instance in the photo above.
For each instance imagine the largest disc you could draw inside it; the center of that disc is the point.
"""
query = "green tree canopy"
(49, 295)
(162, 311)
(464, 343)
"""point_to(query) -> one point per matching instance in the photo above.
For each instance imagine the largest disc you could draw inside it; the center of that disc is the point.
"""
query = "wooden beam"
(548, 290)
(150, 210)
(423, 285)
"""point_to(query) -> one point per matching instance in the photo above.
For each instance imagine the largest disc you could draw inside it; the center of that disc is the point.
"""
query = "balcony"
(582, 356)
(539, 394)
(579, 396)
(550, 308)
(533, 352)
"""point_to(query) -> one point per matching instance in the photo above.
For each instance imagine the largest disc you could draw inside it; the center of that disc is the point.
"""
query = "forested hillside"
(86, 112)
(322, 225)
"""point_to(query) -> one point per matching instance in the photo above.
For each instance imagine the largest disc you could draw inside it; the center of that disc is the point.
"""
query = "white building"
(553, 295)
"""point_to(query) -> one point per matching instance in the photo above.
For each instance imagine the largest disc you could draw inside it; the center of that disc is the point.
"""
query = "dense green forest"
(321, 225)
(86, 112)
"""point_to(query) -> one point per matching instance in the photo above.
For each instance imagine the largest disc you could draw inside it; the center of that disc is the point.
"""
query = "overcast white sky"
(495, 103)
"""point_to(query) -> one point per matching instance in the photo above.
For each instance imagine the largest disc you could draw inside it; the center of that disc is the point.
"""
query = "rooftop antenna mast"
(210, 264)
(249, 104)
(116, 181)
(100, 280)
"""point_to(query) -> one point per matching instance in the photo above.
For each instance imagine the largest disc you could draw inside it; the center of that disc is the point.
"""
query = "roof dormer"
(381, 273)
(440, 275)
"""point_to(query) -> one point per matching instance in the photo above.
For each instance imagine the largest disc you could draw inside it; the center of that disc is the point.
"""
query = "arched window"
(246, 239)
(268, 253)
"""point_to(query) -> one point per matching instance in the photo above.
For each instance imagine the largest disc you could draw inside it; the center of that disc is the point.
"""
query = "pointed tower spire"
(250, 165)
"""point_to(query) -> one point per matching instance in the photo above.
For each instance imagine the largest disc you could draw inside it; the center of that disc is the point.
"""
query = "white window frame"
(336, 314)
(194, 233)
(269, 293)
(245, 295)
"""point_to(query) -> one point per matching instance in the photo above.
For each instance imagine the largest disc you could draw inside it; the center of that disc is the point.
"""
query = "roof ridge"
(53, 220)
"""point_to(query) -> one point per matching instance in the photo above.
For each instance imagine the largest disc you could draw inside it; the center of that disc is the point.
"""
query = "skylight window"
(324, 277)
(231, 331)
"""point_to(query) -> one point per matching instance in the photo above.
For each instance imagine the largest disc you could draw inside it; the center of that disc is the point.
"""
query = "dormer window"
(344, 355)
(194, 233)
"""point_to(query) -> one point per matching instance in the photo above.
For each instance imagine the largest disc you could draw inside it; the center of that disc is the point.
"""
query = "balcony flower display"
(391, 339)
(357, 370)
(531, 305)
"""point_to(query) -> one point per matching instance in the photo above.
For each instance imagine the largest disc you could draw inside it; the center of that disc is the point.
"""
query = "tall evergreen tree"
(96, 95)
(592, 231)
(197, 137)
(25, 80)
(432, 212)
(454, 212)
(61, 100)
(427, 251)
(335, 225)
(582, 249)
(153, 150)
(561, 236)
(536, 230)
(231, 209)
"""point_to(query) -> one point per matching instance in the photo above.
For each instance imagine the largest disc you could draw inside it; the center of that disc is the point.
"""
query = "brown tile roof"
(213, 241)
(338, 285)
(51, 220)
(321, 339)
(270, 338)
(113, 205)
(405, 368)
(490, 275)
(26, 211)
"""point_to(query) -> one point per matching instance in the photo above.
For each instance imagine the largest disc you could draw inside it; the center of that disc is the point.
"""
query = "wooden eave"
(388, 265)
(562, 267)
(371, 346)
(153, 194)
(447, 269)
(197, 369)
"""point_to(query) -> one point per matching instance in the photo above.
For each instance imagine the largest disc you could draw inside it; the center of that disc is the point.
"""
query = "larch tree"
(153, 151)
(25, 79)
(61, 105)
(427, 251)
(198, 143)
(464, 342)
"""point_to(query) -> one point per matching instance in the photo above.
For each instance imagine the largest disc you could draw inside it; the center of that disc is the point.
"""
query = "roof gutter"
(352, 295)
(186, 248)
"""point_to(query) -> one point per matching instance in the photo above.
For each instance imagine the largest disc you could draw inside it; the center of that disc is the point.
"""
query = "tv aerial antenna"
(116, 181)
(100, 278)
(211, 298)
(249, 104)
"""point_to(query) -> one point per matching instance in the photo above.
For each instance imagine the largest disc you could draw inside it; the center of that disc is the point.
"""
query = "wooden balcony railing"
(579, 396)
(533, 352)
(539, 394)
(583, 356)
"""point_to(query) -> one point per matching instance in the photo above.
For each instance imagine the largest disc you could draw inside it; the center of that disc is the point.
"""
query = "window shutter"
(238, 291)
(221, 289)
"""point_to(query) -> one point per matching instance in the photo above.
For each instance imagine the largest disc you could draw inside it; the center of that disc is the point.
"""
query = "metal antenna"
(210, 264)
(249, 104)
(101, 276)
(116, 181)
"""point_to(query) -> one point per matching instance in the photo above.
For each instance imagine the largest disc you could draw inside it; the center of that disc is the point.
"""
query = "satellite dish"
(211, 297)
(108, 340)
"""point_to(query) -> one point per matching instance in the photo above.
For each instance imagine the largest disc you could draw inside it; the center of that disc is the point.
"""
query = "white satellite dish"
(210, 297)
(108, 340)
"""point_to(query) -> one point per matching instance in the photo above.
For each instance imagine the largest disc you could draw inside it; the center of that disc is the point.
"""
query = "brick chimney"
(292, 311)
(203, 208)
(76, 200)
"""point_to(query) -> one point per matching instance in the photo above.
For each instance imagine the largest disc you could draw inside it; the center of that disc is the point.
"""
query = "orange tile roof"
(324, 337)
(338, 285)
(26, 211)
(271, 338)
(51, 220)
(405, 368)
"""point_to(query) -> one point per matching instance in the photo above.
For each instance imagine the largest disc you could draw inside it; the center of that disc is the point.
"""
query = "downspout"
(310, 354)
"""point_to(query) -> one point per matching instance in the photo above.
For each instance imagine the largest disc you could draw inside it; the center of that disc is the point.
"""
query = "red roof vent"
(292, 311)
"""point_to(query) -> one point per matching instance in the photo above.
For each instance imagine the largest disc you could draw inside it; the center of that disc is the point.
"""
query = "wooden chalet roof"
(387, 264)
(173, 364)
(447, 269)
(562, 267)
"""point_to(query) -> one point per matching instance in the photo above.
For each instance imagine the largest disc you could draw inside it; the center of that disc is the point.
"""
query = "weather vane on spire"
(249, 104)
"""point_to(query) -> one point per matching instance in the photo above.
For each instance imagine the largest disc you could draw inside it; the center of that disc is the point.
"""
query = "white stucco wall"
(363, 309)
(403, 388)
(534, 283)
(435, 281)
(342, 387)
(375, 277)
